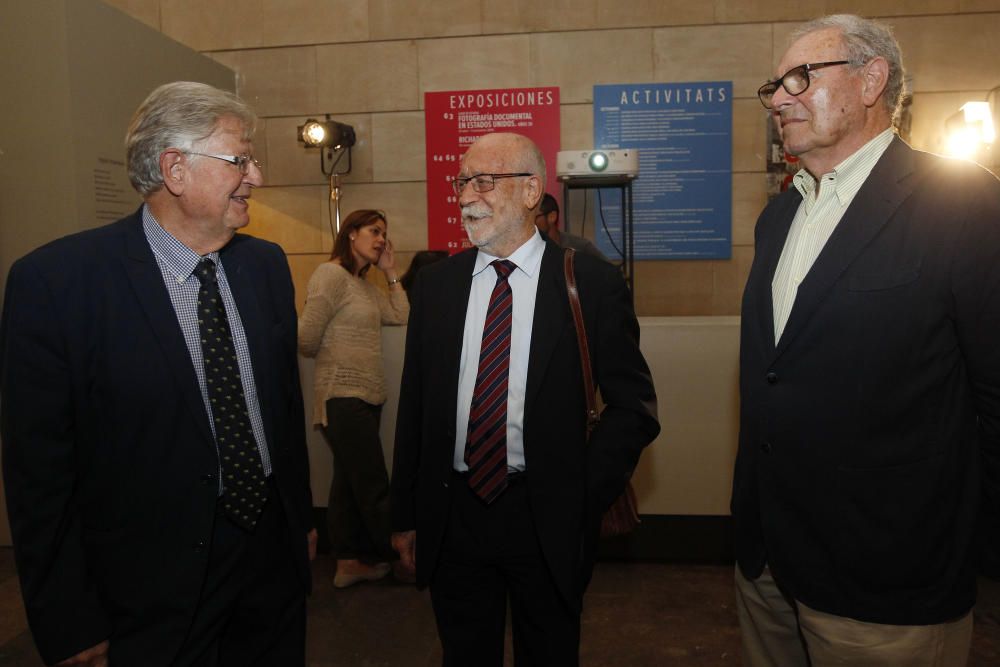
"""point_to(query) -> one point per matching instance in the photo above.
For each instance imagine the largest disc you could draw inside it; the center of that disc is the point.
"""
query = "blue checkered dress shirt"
(177, 263)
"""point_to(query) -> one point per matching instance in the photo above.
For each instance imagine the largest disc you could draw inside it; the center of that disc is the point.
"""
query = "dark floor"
(642, 614)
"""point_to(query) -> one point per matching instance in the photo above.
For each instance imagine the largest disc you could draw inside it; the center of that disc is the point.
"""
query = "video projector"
(597, 163)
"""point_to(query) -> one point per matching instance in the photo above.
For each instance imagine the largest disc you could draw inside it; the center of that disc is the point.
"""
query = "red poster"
(454, 120)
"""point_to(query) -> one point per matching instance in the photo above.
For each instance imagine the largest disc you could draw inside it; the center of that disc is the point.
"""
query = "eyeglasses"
(795, 81)
(241, 162)
(482, 182)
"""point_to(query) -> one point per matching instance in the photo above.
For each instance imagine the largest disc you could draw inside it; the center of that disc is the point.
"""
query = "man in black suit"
(154, 448)
(869, 375)
(523, 526)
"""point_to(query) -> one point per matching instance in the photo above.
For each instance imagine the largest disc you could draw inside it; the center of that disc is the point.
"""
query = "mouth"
(241, 199)
(475, 213)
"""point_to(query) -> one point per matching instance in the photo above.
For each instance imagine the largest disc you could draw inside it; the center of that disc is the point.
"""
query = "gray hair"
(177, 115)
(864, 40)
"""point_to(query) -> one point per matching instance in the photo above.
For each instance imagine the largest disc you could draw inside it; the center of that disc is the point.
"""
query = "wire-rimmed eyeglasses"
(241, 162)
(482, 182)
(795, 81)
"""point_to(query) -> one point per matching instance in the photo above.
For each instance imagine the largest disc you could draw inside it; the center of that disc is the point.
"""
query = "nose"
(781, 99)
(467, 194)
(254, 176)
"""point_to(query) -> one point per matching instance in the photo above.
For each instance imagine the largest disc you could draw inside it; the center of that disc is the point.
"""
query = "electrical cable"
(604, 224)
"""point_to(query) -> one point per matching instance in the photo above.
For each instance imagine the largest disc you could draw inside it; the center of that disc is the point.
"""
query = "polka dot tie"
(486, 445)
(244, 485)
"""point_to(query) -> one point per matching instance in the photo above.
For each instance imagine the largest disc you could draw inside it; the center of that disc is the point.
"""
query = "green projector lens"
(598, 161)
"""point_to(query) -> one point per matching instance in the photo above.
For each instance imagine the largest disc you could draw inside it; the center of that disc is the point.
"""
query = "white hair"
(177, 115)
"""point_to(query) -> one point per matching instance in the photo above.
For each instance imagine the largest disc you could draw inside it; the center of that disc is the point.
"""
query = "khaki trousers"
(778, 631)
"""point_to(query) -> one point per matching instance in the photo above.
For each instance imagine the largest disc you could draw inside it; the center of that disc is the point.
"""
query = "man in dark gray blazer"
(153, 435)
(869, 375)
(521, 521)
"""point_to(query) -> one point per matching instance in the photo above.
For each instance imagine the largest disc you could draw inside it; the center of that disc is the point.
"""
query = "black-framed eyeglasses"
(241, 162)
(795, 81)
(482, 182)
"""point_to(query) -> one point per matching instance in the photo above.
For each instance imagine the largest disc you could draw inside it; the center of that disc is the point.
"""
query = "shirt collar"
(848, 176)
(528, 257)
(178, 259)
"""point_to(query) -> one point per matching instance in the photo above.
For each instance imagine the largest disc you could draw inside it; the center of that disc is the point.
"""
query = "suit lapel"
(451, 328)
(768, 254)
(549, 320)
(884, 190)
(151, 295)
(240, 276)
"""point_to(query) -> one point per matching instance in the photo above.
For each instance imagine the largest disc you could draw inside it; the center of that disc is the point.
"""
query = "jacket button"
(199, 546)
(771, 378)
(445, 484)
(765, 447)
(206, 479)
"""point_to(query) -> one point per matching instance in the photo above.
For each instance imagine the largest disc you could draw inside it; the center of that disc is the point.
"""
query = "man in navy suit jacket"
(534, 544)
(124, 547)
(869, 375)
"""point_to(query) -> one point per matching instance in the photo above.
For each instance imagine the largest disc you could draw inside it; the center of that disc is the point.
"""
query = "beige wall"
(687, 470)
(368, 62)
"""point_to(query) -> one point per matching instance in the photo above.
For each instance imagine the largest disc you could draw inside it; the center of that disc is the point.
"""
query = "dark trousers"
(490, 554)
(252, 610)
(357, 513)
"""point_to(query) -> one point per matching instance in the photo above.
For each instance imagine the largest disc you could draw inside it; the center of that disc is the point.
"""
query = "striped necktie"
(486, 446)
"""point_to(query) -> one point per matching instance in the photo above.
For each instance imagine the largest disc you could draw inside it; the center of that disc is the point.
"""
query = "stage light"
(335, 140)
(326, 134)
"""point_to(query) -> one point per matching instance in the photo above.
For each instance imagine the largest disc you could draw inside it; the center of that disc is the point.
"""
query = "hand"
(405, 545)
(311, 537)
(95, 656)
(387, 260)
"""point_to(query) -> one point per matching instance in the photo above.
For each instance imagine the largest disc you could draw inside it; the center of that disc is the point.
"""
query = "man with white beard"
(493, 468)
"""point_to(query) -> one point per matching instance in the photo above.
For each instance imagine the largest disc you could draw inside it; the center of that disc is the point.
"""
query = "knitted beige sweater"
(341, 326)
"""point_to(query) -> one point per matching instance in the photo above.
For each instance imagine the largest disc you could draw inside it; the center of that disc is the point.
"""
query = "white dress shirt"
(524, 286)
(816, 219)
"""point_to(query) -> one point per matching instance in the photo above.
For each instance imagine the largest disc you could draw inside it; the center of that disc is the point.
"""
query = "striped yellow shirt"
(818, 215)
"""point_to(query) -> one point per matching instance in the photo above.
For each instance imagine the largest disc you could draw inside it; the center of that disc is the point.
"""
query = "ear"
(874, 78)
(174, 168)
(534, 190)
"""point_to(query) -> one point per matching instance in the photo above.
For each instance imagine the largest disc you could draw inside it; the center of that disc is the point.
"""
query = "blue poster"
(682, 199)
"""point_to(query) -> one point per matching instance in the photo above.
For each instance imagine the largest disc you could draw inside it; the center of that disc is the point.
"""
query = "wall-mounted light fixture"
(335, 140)
(969, 130)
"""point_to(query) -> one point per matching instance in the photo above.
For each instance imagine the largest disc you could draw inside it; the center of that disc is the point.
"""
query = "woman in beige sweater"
(341, 327)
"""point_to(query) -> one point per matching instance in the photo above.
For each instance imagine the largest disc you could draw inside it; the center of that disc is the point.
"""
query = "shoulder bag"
(621, 518)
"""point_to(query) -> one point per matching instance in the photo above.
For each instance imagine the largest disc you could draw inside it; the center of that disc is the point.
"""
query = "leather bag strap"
(593, 416)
